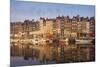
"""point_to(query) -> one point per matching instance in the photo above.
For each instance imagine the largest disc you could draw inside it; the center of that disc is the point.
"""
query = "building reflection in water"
(53, 52)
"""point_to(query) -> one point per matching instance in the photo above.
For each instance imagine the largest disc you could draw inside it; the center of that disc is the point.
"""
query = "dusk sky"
(21, 10)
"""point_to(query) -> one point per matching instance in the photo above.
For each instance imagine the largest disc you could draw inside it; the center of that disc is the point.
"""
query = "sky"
(21, 10)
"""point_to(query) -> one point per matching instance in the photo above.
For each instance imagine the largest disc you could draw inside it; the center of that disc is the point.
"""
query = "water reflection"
(55, 51)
